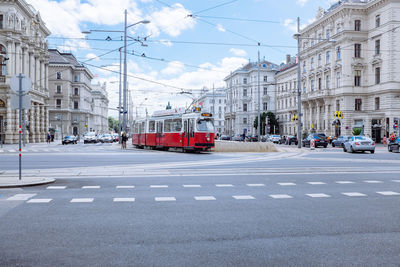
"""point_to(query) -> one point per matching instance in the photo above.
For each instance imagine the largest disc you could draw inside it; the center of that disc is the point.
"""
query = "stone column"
(17, 59)
(310, 116)
(327, 121)
(10, 63)
(46, 75)
(37, 73)
(31, 124)
(8, 131)
(31, 71)
(42, 123)
(41, 82)
(318, 119)
(37, 124)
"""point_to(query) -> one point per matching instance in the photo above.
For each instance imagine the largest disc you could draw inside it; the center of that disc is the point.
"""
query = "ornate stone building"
(214, 101)
(23, 49)
(100, 114)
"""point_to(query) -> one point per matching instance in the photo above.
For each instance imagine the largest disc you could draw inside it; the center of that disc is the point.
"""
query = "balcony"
(316, 94)
(75, 96)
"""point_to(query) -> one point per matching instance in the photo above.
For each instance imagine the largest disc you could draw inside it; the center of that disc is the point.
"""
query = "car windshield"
(205, 125)
(107, 135)
(360, 138)
(91, 134)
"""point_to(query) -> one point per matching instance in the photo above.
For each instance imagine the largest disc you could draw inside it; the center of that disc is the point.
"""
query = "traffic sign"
(26, 84)
(26, 102)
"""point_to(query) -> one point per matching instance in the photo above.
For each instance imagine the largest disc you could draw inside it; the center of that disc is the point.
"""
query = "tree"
(113, 124)
(272, 120)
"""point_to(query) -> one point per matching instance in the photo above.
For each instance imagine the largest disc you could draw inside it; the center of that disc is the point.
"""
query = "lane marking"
(124, 199)
(286, 184)
(316, 183)
(373, 182)
(280, 196)
(205, 198)
(344, 182)
(56, 187)
(318, 195)
(396, 181)
(255, 185)
(165, 199)
(1, 150)
(91, 187)
(243, 197)
(224, 185)
(21, 197)
(39, 200)
(388, 193)
(81, 200)
(125, 186)
(354, 194)
(12, 150)
(158, 186)
(191, 185)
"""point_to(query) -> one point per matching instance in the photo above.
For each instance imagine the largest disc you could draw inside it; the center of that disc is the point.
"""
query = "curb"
(39, 181)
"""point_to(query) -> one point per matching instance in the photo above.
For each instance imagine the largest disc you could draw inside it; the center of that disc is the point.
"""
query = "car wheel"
(372, 151)
(333, 144)
(344, 149)
(325, 146)
(389, 150)
(351, 149)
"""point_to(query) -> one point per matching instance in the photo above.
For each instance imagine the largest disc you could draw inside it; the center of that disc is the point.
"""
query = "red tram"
(175, 128)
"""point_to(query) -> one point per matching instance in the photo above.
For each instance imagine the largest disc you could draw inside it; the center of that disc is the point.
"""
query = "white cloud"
(238, 52)
(166, 43)
(301, 2)
(220, 28)
(92, 56)
(292, 25)
(174, 67)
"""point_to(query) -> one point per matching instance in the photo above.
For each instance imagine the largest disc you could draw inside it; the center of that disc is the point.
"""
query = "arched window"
(3, 58)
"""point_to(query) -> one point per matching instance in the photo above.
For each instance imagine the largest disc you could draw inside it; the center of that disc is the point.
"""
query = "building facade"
(23, 49)
(71, 104)
(214, 101)
(349, 63)
(244, 98)
(100, 112)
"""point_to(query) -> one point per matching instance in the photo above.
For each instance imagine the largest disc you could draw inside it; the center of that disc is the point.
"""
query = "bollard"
(312, 144)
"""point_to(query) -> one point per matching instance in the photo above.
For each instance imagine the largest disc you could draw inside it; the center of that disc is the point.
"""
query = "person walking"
(384, 140)
(48, 137)
(124, 139)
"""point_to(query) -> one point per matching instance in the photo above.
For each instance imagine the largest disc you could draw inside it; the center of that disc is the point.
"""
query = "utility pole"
(259, 104)
(231, 130)
(125, 72)
(300, 115)
(120, 87)
(214, 100)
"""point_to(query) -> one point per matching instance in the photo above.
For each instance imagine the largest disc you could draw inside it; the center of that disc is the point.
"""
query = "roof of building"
(56, 57)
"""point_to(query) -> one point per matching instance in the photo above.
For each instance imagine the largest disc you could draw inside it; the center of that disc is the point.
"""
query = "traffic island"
(232, 146)
(13, 181)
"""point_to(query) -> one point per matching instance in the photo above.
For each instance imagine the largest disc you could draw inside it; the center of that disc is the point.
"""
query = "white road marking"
(39, 200)
(21, 197)
(124, 199)
(224, 185)
(12, 150)
(396, 181)
(344, 182)
(46, 150)
(34, 150)
(158, 186)
(354, 194)
(191, 185)
(1, 150)
(243, 197)
(205, 198)
(81, 200)
(388, 193)
(318, 195)
(255, 185)
(280, 196)
(125, 186)
(372, 182)
(56, 187)
(316, 183)
(165, 199)
(286, 184)
(91, 187)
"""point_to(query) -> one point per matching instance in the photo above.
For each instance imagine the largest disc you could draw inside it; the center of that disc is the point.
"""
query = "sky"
(189, 45)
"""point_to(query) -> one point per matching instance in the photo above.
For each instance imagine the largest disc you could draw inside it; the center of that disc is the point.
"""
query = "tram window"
(177, 125)
(185, 126)
(152, 126)
(142, 127)
(205, 125)
(167, 126)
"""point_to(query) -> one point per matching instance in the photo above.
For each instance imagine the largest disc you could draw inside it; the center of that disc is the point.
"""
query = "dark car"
(238, 137)
(69, 140)
(252, 138)
(225, 137)
(394, 145)
(292, 140)
(319, 139)
(340, 141)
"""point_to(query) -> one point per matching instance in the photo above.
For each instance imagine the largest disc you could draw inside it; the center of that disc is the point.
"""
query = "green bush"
(357, 131)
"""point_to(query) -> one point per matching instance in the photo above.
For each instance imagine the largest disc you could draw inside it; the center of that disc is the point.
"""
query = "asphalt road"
(319, 208)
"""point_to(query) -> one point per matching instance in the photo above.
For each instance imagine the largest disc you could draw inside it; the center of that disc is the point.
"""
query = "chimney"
(287, 59)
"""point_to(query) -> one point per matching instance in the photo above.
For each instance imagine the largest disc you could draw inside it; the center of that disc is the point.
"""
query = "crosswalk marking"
(224, 185)
(165, 199)
(344, 182)
(372, 182)
(318, 195)
(396, 181)
(125, 186)
(124, 199)
(243, 197)
(205, 198)
(388, 193)
(316, 183)
(21, 197)
(354, 194)
(81, 200)
(255, 185)
(280, 196)
(191, 185)
(39, 200)
(158, 186)
(91, 187)
(56, 187)
(286, 184)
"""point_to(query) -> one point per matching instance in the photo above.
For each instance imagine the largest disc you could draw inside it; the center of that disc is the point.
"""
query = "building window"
(58, 90)
(338, 28)
(357, 25)
(319, 60)
(312, 85)
(304, 87)
(377, 47)
(358, 104)
(338, 53)
(304, 67)
(338, 79)
(337, 105)
(265, 91)
(75, 118)
(377, 75)
(265, 79)
(312, 63)
(3, 61)
(377, 103)
(319, 83)
(357, 78)
(58, 117)
(1, 22)
(357, 50)
(244, 120)
(377, 21)
(328, 34)
(245, 80)
(312, 41)
(244, 107)
(76, 104)
(220, 101)
(319, 37)
(58, 103)
(265, 106)
(328, 81)
(328, 57)
(76, 91)
(244, 91)
(59, 75)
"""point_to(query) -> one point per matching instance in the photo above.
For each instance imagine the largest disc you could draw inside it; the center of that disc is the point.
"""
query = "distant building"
(242, 96)
(100, 112)
(214, 101)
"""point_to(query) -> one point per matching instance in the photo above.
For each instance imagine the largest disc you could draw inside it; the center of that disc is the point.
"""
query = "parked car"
(115, 137)
(359, 143)
(252, 138)
(90, 138)
(238, 137)
(291, 139)
(274, 138)
(394, 145)
(225, 137)
(106, 138)
(319, 140)
(339, 141)
(264, 138)
(69, 139)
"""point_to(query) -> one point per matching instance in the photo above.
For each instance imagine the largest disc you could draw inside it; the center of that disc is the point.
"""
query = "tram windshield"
(205, 125)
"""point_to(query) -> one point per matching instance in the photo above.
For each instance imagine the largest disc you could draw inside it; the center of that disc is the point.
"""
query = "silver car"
(359, 143)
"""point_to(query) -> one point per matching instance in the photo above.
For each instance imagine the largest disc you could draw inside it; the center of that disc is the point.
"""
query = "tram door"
(188, 139)
(159, 133)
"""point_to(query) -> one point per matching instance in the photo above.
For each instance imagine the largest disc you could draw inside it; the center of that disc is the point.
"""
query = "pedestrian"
(124, 139)
(392, 137)
(384, 140)
(48, 137)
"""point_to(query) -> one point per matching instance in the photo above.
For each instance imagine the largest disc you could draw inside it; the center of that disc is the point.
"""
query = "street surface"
(110, 207)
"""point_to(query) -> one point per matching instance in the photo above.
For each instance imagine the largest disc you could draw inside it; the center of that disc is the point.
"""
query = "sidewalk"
(13, 181)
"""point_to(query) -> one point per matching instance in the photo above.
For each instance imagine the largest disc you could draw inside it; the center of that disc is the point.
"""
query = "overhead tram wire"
(240, 19)
(214, 7)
